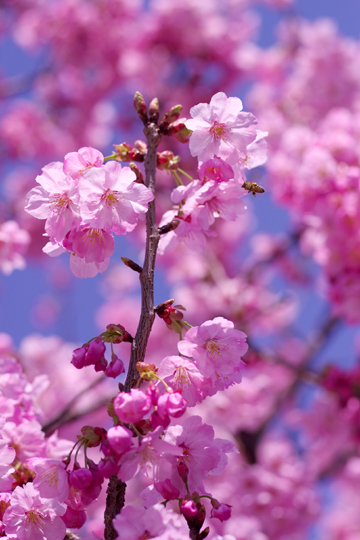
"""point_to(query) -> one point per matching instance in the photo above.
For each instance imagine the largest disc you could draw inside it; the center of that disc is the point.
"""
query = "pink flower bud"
(115, 368)
(132, 406)
(74, 519)
(78, 358)
(183, 471)
(108, 467)
(120, 439)
(101, 365)
(81, 479)
(220, 510)
(167, 490)
(188, 508)
(153, 393)
(156, 420)
(95, 351)
(171, 404)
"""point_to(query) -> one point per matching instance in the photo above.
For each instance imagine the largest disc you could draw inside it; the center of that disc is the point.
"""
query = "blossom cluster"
(85, 202)
(226, 142)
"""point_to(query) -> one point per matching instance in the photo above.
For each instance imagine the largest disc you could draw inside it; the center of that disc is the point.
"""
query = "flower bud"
(95, 351)
(183, 471)
(171, 404)
(139, 174)
(154, 110)
(81, 479)
(74, 519)
(167, 490)
(188, 508)
(120, 439)
(115, 368)
(132, 406)
(140, 107)
(171, 116)
(78, 358)
(220, 511)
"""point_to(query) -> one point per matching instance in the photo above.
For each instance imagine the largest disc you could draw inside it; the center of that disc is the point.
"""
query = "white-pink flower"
(216, 346)
(31, 517)
(181, 374)
(76, 163)
(55, 199)
(221, 129)
(110, 199)
(51, 478)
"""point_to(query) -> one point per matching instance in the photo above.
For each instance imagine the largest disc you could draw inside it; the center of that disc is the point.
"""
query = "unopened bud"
(166, 161)
(171, 116)
(204, 533)
(154, 110)
(139, 174)
(131, 264)
(180, 131)
(141, 146)
(183, 471)
(169, 226)
(140, 107)
(126, 152)
(93, 435)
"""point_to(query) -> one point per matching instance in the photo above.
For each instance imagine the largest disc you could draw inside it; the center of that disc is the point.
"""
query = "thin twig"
(116, 488)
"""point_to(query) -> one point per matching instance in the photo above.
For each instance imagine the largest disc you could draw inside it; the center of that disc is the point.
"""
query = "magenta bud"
(171, 404)
(81, 479)
(157, 421)
(78, 358)
(74, 519)
(115, 368)
(101, 365)
(188, 509)
(120, 439)
(95, 351)
(153, 393)
(108, 467)
(183, 471)
(220, 511)
(167, 490)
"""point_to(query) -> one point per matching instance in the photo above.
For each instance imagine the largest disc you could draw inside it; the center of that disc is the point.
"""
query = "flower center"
(181, 377)
(109, 198)
(219, 131)
(213, 349)
(59, 203)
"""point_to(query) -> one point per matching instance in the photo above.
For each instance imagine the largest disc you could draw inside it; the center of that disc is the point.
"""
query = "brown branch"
(116, 488)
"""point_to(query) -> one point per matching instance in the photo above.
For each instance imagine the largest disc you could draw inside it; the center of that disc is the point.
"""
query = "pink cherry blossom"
(221, 129)
(56, 200)
(111, 199)
(132, 406)
(51, 478)
(30, 517)
(182, 374)
(216, 346)
(76, 163)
